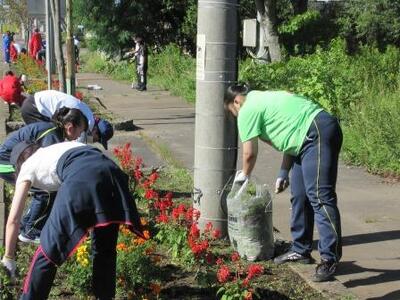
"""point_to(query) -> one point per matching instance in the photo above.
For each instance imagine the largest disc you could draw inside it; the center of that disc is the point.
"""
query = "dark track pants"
(42, 271)
(39, 210)
(313, 184)
(30, 113)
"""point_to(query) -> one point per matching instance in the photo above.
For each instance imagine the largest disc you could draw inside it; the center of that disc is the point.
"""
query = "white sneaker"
(27, 239)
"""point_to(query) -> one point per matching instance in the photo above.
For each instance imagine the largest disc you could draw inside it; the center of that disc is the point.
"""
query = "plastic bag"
(250, 226)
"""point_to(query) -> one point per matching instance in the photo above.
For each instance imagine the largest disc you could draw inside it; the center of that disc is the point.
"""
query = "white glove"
(282, 182)
(10, 265)
(240, 177)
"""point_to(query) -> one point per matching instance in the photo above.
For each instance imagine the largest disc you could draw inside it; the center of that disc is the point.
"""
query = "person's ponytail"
(234, 90)
(65, 115)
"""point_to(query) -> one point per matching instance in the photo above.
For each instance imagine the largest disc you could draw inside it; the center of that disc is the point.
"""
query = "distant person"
(11, 89)
(35, 44)
(15, 49)
(6, 47)
(140, 55)
(92, 195)
(77, 46)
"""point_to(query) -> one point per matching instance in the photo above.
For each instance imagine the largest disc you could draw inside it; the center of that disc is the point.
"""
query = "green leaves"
(159, 22)
(299, 22)
(371, 21)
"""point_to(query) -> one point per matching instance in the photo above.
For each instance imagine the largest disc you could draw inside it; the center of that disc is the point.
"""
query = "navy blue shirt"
(30, 133)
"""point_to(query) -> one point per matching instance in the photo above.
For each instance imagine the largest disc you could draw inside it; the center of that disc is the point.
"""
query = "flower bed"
(176, 261)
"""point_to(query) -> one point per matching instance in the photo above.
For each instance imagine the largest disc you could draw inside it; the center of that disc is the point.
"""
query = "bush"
(352, 87)
(169, 69)
(174, 71)
(372, 131)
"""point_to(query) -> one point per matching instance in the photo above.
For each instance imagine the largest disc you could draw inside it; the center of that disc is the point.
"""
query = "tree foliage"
(371, 22)
(160, 22)
(17, 12)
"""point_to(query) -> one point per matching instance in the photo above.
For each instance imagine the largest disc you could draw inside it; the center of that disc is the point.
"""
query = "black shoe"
(292, 256)
(142, 88)
(30, 236)
(324, 271)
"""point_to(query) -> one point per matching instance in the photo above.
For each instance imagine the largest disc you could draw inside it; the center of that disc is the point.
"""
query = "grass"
(162, 150)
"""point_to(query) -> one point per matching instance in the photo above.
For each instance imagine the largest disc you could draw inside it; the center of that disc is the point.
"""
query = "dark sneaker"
(324, 271)
(141, 88)
(31, 236)
(292, 256)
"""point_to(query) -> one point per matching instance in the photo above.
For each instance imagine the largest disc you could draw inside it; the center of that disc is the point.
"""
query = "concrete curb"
(331, 289)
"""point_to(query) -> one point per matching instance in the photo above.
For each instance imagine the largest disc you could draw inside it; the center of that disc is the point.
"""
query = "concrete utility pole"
(215, 133)
(49, 45)
(70, 77)
(55, 11)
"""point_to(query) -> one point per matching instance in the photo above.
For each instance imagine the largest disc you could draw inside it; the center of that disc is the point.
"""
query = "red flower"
(220, 261)
(162, 218)
(138, 174)
(192, 214)
(235, 256)
(151, 194)
(216, 234)
(79, 95)
(168, 196)
(254, 270)
(195, 231)
(223, 274)
(209, 227)
(153, 176)
(246, 282)
(138, 162)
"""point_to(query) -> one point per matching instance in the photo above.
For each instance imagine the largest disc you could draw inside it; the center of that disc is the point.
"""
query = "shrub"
(372, 131)
(344, 85)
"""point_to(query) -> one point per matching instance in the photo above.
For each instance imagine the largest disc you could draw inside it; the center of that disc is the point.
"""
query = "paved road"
(370, 207)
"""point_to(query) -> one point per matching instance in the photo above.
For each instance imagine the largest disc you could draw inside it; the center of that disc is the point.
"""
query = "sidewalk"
(370, 207)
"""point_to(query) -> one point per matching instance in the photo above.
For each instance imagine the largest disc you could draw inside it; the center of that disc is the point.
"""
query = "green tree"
(160, 22)
(371, 22)
(16, 12)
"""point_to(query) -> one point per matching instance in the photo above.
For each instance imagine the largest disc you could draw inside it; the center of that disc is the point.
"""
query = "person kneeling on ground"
(67, 124)
(310, 140)
(93, 193)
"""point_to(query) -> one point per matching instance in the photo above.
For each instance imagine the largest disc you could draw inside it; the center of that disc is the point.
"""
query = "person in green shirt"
(310, 139)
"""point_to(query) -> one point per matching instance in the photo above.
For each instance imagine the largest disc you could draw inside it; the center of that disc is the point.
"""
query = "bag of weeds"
(250, 226)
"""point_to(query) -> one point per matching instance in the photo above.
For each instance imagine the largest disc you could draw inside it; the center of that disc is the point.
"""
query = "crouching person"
(93, 194)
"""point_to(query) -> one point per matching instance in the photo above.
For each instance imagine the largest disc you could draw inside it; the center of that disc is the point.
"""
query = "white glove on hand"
(240, 177)
(282, 182)
(10, 265)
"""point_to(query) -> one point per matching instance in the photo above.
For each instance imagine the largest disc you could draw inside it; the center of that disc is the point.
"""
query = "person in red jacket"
(11, 89)
(35, 43)
(13, 51)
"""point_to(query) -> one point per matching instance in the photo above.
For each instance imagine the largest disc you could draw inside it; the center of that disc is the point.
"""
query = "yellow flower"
(122, 247)
(146, 234)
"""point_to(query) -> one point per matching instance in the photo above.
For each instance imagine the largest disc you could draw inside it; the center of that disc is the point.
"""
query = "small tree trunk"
(267, 11)
(55, 13)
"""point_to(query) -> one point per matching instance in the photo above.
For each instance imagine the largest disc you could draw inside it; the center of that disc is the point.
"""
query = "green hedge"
(362, 90)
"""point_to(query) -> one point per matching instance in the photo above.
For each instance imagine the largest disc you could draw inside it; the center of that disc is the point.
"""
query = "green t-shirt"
(278, 117)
